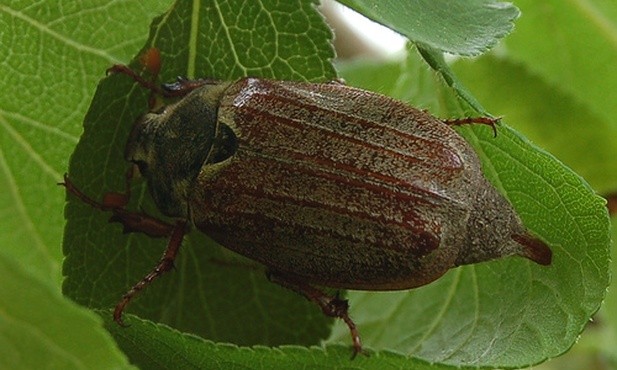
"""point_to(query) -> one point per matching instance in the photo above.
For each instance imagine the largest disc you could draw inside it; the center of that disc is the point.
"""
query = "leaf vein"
(13, 189)
(43, 28)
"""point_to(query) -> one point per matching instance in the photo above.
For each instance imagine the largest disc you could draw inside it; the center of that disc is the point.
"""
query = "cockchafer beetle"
(324, 184)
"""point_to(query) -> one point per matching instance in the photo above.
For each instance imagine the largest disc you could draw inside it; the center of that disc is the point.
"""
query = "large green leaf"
(159, 347)
(572, 45)
(52, 54)
(564, 125)
(504, 313)
(555, 79)
(564, 103)
(41, 329)
(458, 27)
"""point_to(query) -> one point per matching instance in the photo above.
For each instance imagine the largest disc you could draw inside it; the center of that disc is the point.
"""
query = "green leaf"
(563, 103)
(159, 347)
(503, 313)
(559, 89)
(207, 296)
(609, 343)
(40, 329)
(51, 59)
(548, 116)
(572, 45)
(506, 313)
(457, 27)
(230, 39)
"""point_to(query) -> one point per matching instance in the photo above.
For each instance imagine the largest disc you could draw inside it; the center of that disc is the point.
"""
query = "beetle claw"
(118, 313)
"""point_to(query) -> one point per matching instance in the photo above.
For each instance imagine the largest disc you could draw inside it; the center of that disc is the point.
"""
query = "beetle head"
(171, 146)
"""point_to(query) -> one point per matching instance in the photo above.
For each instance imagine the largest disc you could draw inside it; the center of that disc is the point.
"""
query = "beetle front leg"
(178, 89)
(111, 200)
(126, 70)
(151, 61)
(330, 306)
(183, 86)
(115, 203)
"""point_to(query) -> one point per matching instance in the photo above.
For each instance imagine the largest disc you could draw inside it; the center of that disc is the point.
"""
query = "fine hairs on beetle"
(326, 185)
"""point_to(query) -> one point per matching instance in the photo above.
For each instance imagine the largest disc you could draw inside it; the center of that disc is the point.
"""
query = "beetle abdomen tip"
(534, 249)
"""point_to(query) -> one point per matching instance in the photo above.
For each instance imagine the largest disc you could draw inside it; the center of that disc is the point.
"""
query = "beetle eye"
(143, 167)
(226, 144)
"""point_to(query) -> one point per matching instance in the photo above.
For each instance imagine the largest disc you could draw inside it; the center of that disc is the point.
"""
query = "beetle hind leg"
(489, 121)
(331, 306)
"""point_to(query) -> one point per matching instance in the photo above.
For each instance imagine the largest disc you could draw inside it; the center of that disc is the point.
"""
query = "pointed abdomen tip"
(534, 249)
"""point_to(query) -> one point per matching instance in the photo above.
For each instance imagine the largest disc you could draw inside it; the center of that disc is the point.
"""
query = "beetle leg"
(165, 264)
(330, 306)
(115, 203)
(151, 60)
(118, 200)
(124, 69)
(338, 81)
(489, 121)
(183, 86)
(178, 89)
(136, 222)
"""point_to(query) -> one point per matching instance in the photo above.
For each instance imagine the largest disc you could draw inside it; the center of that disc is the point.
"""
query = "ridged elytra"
(324, 184)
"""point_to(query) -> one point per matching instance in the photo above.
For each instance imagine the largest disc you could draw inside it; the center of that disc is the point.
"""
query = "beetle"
(324, 184)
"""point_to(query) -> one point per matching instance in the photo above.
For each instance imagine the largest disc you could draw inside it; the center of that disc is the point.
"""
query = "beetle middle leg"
(165, 264)
(136, 222)
(330, 306)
